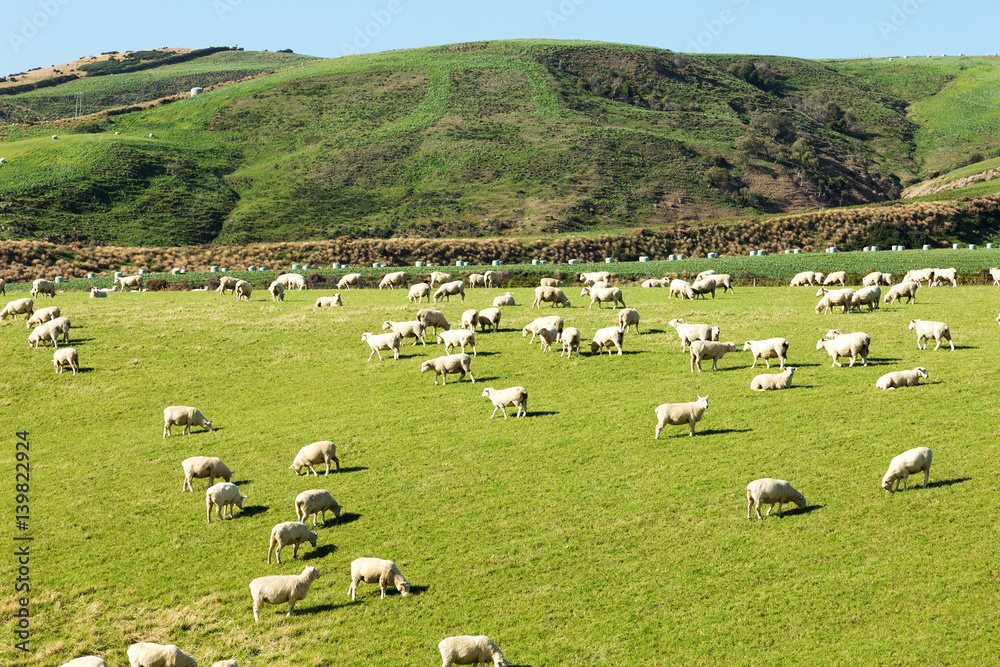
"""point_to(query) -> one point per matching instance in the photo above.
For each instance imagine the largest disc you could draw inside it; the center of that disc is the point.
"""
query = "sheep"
(228, 283)
(350, 280)
(199, 467)
(927, 329)
(413, 329)
(913, 460)
(316, 501)
(919, 276)
(390, 341)
(3, 287)
(709, 349)
(533, 326)
(294, 281)
(703, 287)
(458, 338)
(547, 334)
(907, 289)
(323, 451)
(97, 293)
(433, 318)
(801, 278)
(551, 294)
(225, 663)
(840, 297)
(836, 277)
(42, 286)
(148, 654)
(950, 275)
(551, 282)
(470, 319)
(220, 496)
(506, 299)
(469, 650)
(772, 492)
(654, 282)
(289, 532)
(452, 363)
(439, 278)
(681, 288)
(600, 284)
(377, 570)
(768, 381)
(448, 289)
(183, 415)
(87, 661)
(769, 348)
(608, 337)
(867, 296)
(329, 302)
(995, 275)
(476, 280)
(509, 397)
(689, 333)
(489, 319)
(705, 274)
(418, 292)
(17, 307)
(394, 280)
(492, 279)
(44, 333)
(628, 317)
(132, 282)
(42, 316)
(277, 291)
(851, 345)
(243, 290)
(66, 357)
(279, 588)
(601, 295)
(595, 276)
(876, 278)
(902, 378)
(677, 414)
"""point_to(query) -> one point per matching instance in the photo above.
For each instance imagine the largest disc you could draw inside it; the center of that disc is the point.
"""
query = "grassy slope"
(570, 537)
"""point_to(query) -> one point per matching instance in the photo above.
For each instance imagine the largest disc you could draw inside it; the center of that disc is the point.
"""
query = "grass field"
(571, 537)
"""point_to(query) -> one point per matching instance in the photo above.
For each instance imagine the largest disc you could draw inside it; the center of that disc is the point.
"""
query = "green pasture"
(570, 537)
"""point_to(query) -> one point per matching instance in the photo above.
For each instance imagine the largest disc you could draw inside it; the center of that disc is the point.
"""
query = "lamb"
(448, 289)
(413, 329)
(913, 460)
(876, 278)
(97, 293)
(551, 294)
(279, 588)
(492, 279)
(919, 276)
(390, 341)
(505, 299)
(418, 292)
(902, 378)
(42, 286)
(289, 532)
(769, 348)
(551, 282)
(601, 295)
(907, 289)
(228, 283)
(87, 661)
(851, 345)
(132, 282)
(681, 288)
(836, 277)
(328, 302)
(654, 282)
(469, 650)
(377, 570)
(394, 280)
(802, 278)
(277, 291)
(950, 275)
(570, 339)
(628, 317)
(703, 287)
(677, 414)
(709, 349)
(350, 280)
(470, 319)
(243, 290)
(42, 316)
(323, 451)
(458, 338)
(476, 280)
(433, 318)
(840, 297)
(148, 654)
(66, 357)
(199, 467)
(509, 397)
(995, 275)
(867, 296)
(183, 415)
(439, 278)
(452, 363)
(927, 329)
(768, 381)
(608, 337)
(533, 326)
(223, 495)
(17, 307)
(316, 501)
(772, 492)
(547, 334)
(489, 319)
(689, 333)
(595, 276)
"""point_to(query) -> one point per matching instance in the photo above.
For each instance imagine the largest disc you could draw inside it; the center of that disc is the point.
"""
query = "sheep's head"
(675, 322)
(386, 325)
(913, 325)
(922, 372)
(594, 347)
(404, 588)
(821, 343)
(887, 484)
(747, 346)
(821, 291)
(790, 370)
(831, 334)
(365, 336)
(524, 331)
(426, 365)
(311, 538)
(297, 467)
(487, 392)
(585, 291)
(239, 501)
(702, 402)
(207, 425)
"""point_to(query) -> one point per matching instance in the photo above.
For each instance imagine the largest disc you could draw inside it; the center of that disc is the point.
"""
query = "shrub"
(156, 284)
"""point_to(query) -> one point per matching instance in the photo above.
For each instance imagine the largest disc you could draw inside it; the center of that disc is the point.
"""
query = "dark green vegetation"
(498, 138)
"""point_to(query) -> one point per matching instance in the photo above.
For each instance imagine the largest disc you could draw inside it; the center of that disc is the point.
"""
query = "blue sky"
(39, 33)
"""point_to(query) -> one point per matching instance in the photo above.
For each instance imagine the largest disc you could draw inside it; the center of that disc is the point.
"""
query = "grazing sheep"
(277, 291)
(323, 451)
(223, 495)
(570, 339)
(87, 661)
(654, 282)
(390, 341)
(705, 274)
(433, 318)
(681, 288)
(470, 319)
(43, 333)
(243, 290)
(689, 333)
(492, 279)
(509, 397)
(377, 570)
(867, 296)
(725, 281)
(907, 289)
(919, 276)
(709, 349)
(677, 414)
(782, 380)
(550, 294)
(927, 329)
(547, 334)
(600, 295)
(413, 329)
(607, 337)
(289, 532)
(132, 282)
(476, 280)
(876, 278)
(228, 284)
(183, 415)
(328, 302)
(418, 292)
(913, 460)
(394, 280)
(42, 316)
(803, 278)
(470, 650)
(489, 319)
(448, 289)
(840, 297)
(66, 357)
(551, 282)
(97, 293)
(628, 317)
(769, 348)
(148, 654)
(595, 276)
(902, 378)
(772, 492)
(458, 338)
(951, 275)
(851, 345)
(316, 501)
(440, 278)
(533, 326)
(506, 299)
(199, 467)
(17, 307)
(350, 280)
(995, 275)
(279, 588)
(452, 363)
(42, 286)
(836, 277)
(703, 287)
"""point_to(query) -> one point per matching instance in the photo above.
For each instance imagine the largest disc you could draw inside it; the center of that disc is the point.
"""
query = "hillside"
(487, 139)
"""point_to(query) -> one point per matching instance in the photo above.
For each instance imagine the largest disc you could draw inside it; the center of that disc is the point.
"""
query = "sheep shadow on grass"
(250, 511)
(944, 482)
(320, 551)
(715, 431)
(317, 609)
(353, 469)
(346, 517)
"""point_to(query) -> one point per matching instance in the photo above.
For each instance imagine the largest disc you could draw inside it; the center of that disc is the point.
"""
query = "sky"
(40, 33)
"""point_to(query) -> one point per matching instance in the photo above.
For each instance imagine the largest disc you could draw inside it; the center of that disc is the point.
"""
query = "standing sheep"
(676, 414)
(550, 294)
(772, 492)
(724, 280)
(389, 341)
(277, 291)
(570, 339)
(243, 290)
(769, 348)
(221, 496)
(413, 329)
(599, 295)
(394, 280)
(547, 334)
(836, 277)
(595, 276)
(289, 532)
(628, 317)
(551, 282)
(995, 275)
(43, 315)
(281, 588)
(42, 286)
(470, 650)
(377, 570)
(927, 329)
(418, 292)
(316, 501)
(903, 289)
(323, 451)
(132, 282)
(951, 275)
(489, 319)
(476, 280)
(851, 345)
(782, 380)
(448, 289)
(876, 278)
(17, 307)
(458, 338)
(607, 337)
(433, 318)
(681, 288)
(228, 284)
(66, 357)
(801, 279)
(902, 378)
(452, 363)
(842, 297)
(439, 278)
(703, 287)
(509, 397)
(350, 280)
(689, 333)
(867, 296)
(492, 278)
(199, 467)
(148, 654)
(709, 349)
(913, 460)
(533, 326)
(183, 415)
(470, 319)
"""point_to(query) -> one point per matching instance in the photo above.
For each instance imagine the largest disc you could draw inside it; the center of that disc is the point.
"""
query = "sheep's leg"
(756, 508)
(495, 408)
(905, 477)
(256, 617)
(295, 551)
(692, 422)
(936, 346)
(309, 465)
(927, 474)
(749, 504)
(472, 377)
(291, 607)
(504, 411)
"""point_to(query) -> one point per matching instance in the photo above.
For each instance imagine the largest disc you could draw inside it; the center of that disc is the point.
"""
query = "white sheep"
(769, 348)
(293, 281)
(913, 460)
(608, 337)
(903, 289)
(492, 278)
(470, 650)
(3, 287)
(689, 333)
(243, 290)
(548, 334)
(329, 302)
(413, 329)
(599, 285)
(449, 289)
(394, 280)
(378, 342)
(96, 293)
(767, 381)
(551, 282)
(681, 288)
(221, 496)
(42, 286)
(836, 277)
(470, 319)
(927, 329)
(704, 286)
(570, 339)
(910, 378)
(183, 415)
(595, 276)
(289, 532)
(509, 397)
(133, 283)
(724, 280)
(323, 451)
(628, 317)
(277, 291)
(458, 338)
(709, 349)
(228, 284)
(489, 319)
(148, 654)
(418, 292)
(600, 295)
(802, 278)
(876, 278)
(919, 276)
(452, 363)
(316, 501)
(840, 297)
(654, 282)
(44, 333)
(476, 280)
(199, 467)
(377, 570)
(851, 345)
(433, 318)
(279, 588)
(705, 274)
(533, 326)
(350, 280)
(995, 275)
(867, 296)
(677, 414)
(17, 307)
(439, 278)
(505, 299)
(772, 492)
(553, 295)
(86, 661)
(66, 357)
(951, 275)
(43, 315)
